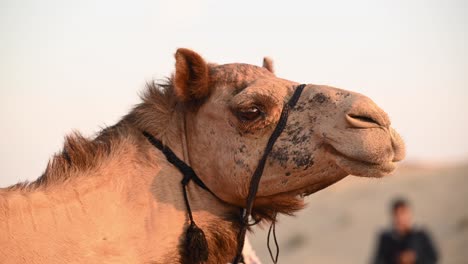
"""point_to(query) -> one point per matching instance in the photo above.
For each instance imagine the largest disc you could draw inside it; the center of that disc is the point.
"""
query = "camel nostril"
(362, 121)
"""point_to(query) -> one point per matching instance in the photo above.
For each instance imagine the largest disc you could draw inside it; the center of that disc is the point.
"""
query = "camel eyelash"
(252, 110)
(251, 125)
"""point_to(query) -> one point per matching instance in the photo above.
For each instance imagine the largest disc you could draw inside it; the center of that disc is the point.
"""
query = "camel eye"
(249, 114)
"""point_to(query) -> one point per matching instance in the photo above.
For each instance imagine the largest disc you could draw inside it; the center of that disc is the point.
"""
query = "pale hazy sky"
(68, 65)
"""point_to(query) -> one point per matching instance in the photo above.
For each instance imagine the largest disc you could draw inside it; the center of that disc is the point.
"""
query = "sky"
(79, 65)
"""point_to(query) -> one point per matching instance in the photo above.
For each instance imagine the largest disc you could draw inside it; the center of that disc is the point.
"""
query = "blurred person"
(403, 243)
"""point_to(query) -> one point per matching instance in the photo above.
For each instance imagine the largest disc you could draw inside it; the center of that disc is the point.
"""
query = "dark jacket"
(391, 244)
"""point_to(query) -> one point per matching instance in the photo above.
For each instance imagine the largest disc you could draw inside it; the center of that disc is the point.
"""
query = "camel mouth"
(363, 168)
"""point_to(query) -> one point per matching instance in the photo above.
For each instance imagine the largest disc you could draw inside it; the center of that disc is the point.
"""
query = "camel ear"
(268, 64)
(191, 79)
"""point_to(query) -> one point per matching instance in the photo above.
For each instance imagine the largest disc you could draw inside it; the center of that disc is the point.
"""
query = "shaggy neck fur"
(111, 197)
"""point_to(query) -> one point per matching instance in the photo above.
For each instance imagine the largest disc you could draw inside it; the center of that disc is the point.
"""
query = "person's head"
(401, 215)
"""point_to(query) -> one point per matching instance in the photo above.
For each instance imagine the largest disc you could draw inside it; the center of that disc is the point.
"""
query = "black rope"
(273, 227)
(189, 211)
(255, 180)
(196, 246)
(186, 170)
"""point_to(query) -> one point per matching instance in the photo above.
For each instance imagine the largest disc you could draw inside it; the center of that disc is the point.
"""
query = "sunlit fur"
(116, 199)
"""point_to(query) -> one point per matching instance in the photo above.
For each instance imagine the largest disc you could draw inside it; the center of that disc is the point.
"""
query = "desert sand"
(340, 223)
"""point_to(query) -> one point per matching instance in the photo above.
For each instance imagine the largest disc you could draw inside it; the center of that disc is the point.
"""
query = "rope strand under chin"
(273, 228)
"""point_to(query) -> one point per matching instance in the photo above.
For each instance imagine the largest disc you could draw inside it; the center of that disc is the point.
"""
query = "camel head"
(232, 109)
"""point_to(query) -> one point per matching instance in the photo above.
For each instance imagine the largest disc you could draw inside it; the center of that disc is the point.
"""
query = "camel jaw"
(311, 189)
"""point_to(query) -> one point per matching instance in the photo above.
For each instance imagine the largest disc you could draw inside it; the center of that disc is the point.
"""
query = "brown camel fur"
(116, 199)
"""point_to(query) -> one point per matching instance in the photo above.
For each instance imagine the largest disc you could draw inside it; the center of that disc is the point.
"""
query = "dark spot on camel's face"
(297, 157)
(241, 163)
(242, 149)
(320, 98)
(294, 150)
(281, 155)
(298, 134)
(298, 139)
(293, 129)
(312, 120)
(299, 108)
(303, 161)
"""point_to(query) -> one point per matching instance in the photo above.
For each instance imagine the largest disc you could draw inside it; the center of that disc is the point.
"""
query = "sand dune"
(340, 223)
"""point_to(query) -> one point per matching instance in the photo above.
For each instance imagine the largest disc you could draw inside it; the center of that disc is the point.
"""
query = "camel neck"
(57, 212)
(218, 220)
(127, 204)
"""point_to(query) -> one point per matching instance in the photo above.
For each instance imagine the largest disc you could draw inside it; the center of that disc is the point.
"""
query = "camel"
(117, 199)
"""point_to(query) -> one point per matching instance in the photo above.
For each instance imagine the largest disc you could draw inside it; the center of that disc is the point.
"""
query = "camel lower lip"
(363, 168)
